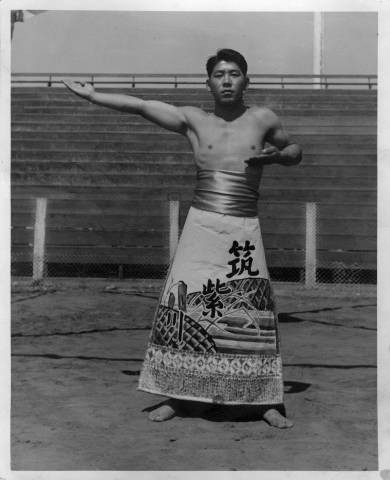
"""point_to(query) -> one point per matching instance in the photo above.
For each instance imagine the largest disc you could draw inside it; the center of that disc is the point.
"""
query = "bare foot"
(165, 412)
(275, 419)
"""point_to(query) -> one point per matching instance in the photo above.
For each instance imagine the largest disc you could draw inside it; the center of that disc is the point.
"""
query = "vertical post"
(39, 238)
(318, 47)
(173, 224)
(311, 245)
(120, 272)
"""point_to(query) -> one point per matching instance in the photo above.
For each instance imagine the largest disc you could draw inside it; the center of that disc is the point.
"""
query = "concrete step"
(179, 144)
(307, 107)
(171, 180)
(121, 119)
(256, 95)
(111, 233)
(175, 156)
(125, 167)
(96, 113)
(357, 239)
(321, 194)
(165, 136)
(107, 128)
(114, 208)
(196, 99)
(72, 100)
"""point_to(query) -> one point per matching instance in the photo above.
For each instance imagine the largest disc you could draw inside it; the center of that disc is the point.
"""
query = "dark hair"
(229, 56)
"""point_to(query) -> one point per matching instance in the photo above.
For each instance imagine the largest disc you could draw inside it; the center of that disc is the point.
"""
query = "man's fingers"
(262, 156)
(70, 84)
(269, 150)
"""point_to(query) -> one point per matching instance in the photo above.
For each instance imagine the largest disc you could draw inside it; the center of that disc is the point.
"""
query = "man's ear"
(247, 81)
(208, 84)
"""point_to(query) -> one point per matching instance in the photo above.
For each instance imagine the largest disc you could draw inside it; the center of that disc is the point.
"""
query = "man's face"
(227, 82)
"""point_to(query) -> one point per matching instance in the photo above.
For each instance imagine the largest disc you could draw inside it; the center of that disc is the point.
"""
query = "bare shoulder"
(265, 115)
(194, 116)
(193, 112)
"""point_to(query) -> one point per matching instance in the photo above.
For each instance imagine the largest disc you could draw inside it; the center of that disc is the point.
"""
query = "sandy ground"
(77, 347)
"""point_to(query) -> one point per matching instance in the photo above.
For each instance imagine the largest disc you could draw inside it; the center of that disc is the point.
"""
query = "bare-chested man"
(231, 139)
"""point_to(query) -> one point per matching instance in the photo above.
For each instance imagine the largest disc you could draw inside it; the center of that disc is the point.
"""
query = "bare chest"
(218, 142)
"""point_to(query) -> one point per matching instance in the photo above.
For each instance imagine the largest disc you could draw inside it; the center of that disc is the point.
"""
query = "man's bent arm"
(290, 155)
(166, 115)
(284, 151)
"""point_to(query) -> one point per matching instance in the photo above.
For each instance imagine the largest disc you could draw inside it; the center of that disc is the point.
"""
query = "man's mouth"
(227, 92)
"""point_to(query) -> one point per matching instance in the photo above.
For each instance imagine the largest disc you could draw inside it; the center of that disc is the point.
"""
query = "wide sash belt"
(230, 193)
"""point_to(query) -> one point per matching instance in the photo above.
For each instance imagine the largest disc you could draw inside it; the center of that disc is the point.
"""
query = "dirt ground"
(77, 348)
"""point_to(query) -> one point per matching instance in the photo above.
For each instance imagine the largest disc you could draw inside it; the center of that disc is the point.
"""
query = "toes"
(275, 419)
(289, 423)
(162, 414)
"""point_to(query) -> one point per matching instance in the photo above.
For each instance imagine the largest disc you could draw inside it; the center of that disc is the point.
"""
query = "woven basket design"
(193, 337)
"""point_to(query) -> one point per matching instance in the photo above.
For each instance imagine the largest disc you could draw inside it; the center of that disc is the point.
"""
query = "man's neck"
(229, 112)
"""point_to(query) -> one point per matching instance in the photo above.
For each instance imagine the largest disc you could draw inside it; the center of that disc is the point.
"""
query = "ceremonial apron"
(215, 333)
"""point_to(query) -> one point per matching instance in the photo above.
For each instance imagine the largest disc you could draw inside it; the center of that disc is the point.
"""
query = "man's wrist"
(90, 96)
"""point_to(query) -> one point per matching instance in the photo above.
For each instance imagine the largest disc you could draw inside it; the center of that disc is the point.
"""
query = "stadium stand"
(107, 177)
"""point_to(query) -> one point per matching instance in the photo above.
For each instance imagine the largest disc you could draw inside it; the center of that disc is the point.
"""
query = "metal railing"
(184, 79)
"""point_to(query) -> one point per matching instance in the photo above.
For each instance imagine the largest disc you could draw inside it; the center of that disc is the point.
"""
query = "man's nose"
(227, 80)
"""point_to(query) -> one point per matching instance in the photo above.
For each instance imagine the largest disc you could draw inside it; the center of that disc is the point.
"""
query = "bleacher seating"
(107, 176)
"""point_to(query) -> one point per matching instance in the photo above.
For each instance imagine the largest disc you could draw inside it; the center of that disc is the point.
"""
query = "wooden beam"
(39, 238)
(311, 245)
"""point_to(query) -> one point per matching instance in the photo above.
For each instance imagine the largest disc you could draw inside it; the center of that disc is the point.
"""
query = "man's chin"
(228, 100)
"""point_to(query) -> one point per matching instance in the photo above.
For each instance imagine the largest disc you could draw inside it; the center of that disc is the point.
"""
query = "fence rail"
(43, 241)
(184, 79)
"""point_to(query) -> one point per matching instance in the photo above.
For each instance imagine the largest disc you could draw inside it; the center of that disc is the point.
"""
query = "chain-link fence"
(314, 246)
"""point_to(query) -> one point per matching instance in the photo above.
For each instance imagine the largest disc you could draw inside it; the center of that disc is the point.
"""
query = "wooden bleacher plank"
(99, 255)
(161, 136)
(321, 195)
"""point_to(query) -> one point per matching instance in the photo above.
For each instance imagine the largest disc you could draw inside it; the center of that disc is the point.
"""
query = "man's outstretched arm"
(166, 115)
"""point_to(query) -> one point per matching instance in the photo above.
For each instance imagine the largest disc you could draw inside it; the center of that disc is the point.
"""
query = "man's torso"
(225, 145)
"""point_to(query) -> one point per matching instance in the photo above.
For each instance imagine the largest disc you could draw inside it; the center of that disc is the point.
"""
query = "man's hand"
(267, 156)
(83, 90)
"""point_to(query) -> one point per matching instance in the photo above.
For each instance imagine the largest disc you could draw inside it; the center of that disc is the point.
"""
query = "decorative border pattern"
(214, 378)
(158, 357)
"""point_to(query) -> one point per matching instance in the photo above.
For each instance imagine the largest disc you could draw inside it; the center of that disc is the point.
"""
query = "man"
(215, 336)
